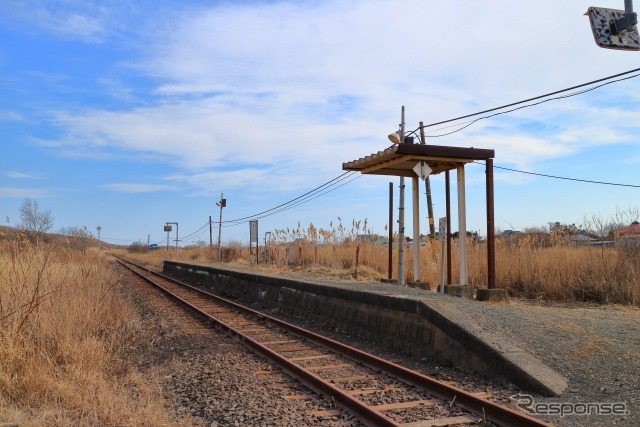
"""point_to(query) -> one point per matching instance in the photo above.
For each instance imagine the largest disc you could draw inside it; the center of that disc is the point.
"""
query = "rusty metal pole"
(432, 227)
(448, 211)
(491, 238)
(390, 242)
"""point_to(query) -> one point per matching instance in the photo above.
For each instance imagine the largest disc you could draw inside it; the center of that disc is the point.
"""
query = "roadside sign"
(422, 169)
(442, 228)
(167, 228)
(253, 231)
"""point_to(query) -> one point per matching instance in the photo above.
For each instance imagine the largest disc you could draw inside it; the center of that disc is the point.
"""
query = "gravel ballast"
(212, 379)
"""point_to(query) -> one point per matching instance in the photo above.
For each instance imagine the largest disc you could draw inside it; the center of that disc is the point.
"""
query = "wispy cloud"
(138, 188)
(11, 116)
(302, 94)
(22, 175)
(76, 20)
(13, 192)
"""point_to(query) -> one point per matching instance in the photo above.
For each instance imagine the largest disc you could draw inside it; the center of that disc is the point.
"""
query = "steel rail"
(367, 414)
(486, 409)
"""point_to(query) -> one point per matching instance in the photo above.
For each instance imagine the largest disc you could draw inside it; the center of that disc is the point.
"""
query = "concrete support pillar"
(416, 228)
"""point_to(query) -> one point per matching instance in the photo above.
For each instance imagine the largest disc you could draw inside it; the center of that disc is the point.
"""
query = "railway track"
(377, 391)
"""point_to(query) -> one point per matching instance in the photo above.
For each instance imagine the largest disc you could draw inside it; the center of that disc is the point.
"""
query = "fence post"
(357, 258)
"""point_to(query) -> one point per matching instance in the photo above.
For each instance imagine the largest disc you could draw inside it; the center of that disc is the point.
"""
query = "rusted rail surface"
(254, 328)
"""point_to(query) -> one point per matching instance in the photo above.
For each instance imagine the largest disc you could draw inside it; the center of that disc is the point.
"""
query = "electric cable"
(529, 105)
(301, 202)
(197, 231)
(535, 98)
(304, 196)
(562, 177)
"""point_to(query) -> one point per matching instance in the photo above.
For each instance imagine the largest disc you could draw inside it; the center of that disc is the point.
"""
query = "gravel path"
(597, 348)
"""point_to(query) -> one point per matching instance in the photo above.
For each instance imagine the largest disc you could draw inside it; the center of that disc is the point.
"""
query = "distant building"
(581, 240)
(632, 230)
(371, 239)
(628, 236)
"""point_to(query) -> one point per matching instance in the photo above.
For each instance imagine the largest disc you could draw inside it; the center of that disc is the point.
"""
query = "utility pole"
(167, 228)
(401, 216)
(97, 228)
(222, 203)
(432, 227)
(210, 233)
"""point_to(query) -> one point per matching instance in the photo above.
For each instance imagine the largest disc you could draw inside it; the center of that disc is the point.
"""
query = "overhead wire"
(589, 181)
(197, 231)
(298, 203)
(304, 197)
(536, 98)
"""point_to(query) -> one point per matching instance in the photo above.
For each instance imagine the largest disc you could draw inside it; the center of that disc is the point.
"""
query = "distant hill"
(12, 233)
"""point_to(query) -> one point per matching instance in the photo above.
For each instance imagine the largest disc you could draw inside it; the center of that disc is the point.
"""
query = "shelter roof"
(400, 159)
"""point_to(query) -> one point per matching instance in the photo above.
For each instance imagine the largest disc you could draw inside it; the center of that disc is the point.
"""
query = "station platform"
(440, 327)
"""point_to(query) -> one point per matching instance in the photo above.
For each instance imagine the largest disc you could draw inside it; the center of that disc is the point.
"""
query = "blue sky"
(129, 114)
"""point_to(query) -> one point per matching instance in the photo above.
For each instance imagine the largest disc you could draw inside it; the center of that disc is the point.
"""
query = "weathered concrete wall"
(405, 324)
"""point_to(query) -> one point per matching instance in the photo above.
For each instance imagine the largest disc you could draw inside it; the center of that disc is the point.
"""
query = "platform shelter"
(401, 160)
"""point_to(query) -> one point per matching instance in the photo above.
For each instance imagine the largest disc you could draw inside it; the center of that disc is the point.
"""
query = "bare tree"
(601, 227)
(627, 216)
(78, 237)
(33, 219)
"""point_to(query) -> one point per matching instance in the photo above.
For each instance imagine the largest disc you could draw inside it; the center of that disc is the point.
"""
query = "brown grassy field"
(66, 334)
(528, 269)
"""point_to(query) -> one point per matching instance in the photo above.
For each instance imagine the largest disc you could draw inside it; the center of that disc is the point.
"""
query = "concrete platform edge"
(503, 357)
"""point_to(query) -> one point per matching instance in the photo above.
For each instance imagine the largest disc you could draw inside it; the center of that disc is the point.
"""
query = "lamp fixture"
(395, 137)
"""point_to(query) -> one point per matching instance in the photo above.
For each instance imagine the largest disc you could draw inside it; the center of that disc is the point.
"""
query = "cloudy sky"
(128, 114)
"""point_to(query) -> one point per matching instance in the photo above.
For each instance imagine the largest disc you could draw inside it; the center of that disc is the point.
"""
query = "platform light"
(395, 137)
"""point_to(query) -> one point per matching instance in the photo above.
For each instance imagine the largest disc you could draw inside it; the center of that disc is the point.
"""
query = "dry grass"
(65, 335)
(553, 272)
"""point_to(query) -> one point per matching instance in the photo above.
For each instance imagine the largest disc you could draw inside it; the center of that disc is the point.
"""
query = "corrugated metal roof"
(400, 159)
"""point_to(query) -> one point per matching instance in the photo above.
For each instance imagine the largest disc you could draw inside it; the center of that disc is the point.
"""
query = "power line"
(301, 202)
(196, 232)
(540, 97)
(305, 197)
(563, 177)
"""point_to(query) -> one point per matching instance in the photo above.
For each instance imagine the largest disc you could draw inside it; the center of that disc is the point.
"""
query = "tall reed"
(66, 334)
(527, 267)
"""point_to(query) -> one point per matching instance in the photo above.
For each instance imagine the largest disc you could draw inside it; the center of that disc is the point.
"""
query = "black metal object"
(625, 23)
